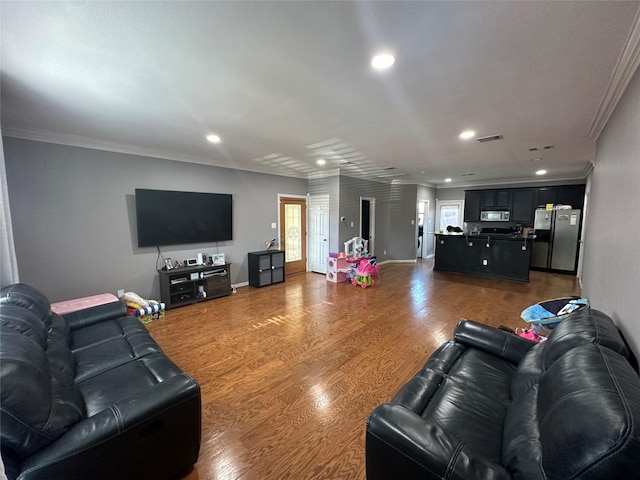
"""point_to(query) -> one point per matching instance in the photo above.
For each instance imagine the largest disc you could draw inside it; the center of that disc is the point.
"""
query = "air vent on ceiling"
(545, 147)
(389, 175)
(489, 138)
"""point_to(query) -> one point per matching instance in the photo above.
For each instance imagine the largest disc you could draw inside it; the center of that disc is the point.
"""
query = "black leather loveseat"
(90, 395)
(491, 405)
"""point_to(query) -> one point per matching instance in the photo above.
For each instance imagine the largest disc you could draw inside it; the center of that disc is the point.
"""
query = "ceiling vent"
(489, 138)
(545, 147)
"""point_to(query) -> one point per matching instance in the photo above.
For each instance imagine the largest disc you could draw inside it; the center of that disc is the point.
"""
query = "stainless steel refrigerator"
(556, 244)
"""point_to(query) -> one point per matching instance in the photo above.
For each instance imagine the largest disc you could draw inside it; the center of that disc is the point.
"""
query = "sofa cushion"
(588, 404)
(466, 392)
(578, 421)
(106, 345)
(579, 328)
(15, 319)
(125, 381)
(36, 364)
(29, 298)
(39, 371)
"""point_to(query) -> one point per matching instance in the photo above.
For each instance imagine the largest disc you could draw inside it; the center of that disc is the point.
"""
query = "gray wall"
(611, 269)
(73, 216)
(395, 207)
(451, 193)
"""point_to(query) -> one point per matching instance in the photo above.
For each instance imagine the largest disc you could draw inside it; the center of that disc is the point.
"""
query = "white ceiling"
(284, 83)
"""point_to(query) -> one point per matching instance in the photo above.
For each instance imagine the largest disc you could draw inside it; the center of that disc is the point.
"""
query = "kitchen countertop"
(495, 236)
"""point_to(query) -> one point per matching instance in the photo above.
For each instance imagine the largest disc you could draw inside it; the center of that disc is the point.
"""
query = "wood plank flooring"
(289, 373)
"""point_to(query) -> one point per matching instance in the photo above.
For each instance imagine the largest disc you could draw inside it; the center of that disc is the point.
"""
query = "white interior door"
(318, 233)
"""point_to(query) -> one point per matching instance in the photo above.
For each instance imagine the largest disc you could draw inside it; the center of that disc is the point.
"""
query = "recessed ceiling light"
(541, 172)
(447, 180)
(382, 61)
(213, 138)
(467, 134)
(321, 161)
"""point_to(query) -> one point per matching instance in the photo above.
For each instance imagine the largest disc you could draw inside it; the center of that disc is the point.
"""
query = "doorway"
(293, 233)
(367, 221)
(318, 233)
(422, 220)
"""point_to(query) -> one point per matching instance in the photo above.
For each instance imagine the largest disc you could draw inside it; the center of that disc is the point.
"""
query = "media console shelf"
(183, 286)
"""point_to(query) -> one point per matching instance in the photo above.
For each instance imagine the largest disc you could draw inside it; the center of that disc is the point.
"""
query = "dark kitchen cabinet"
(496, 199)
(450, 250)
(563, 195)
(472, 205)
(546, 195)
(484, 256)
(524, 204)
(570, 195)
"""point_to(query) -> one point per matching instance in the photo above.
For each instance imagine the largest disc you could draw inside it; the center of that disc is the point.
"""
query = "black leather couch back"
(574, 410)
(35, 364)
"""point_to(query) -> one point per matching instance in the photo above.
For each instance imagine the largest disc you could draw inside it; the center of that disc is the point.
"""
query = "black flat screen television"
(166, 217)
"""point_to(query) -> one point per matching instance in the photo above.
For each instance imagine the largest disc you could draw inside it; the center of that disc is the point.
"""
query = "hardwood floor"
(289, 373)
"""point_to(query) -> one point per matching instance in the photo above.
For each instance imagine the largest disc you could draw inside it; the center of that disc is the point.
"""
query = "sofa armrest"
(492, 340)
(99, 313)
(152, 435)
(402, 444)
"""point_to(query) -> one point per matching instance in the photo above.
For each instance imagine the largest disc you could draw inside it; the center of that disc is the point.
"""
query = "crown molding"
(57, 138)
(542, 181)
(626, 66)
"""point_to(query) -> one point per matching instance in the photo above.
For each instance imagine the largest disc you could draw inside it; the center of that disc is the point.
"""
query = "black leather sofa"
(491, 405)
(90, 395)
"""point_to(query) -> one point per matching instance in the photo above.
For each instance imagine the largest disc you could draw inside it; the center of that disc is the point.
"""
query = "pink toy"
(529, 334)
(365, 272)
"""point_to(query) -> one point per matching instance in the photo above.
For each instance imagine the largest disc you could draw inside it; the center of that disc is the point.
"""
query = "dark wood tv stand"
(181, 286)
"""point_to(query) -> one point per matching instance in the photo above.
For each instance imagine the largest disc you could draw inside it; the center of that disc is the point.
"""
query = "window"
(449, 213)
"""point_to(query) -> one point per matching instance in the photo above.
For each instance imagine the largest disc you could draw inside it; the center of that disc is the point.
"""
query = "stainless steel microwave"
(495, 216)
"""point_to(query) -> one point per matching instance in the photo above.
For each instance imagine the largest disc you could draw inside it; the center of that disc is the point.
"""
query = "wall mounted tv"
(166, 217)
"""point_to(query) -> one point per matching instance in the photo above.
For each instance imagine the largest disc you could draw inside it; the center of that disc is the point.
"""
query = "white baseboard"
(398, 261)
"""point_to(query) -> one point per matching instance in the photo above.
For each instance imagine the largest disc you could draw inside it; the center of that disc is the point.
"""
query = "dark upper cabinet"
(472, 205)
(496, 199)
(565, 195)
(524, 204)
(570, 195)
(546, 195)
(521, 201)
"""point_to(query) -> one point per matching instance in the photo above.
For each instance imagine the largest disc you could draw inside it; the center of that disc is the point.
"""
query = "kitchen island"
(485, 255)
